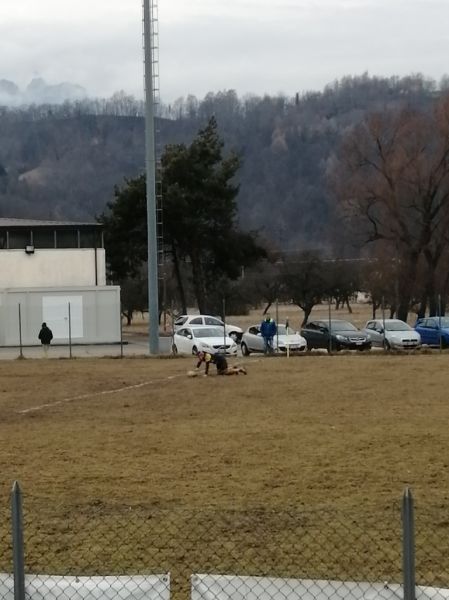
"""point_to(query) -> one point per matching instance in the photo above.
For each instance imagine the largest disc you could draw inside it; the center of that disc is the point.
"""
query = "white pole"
(277, 323)
(150, 163)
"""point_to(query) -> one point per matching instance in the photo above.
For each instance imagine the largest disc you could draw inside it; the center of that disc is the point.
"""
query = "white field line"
(92, 394)
(102, 393)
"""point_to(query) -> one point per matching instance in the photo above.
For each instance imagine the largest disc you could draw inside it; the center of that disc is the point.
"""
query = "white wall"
(52, 268)
(94, 313)
(108, 587)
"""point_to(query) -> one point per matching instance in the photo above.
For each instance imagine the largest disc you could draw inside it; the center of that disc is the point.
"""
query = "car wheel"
(194, 350)
(245, 350)
(174, 349)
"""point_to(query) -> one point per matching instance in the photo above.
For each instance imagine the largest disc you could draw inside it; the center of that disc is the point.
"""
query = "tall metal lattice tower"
(154, 40)
(152, 164)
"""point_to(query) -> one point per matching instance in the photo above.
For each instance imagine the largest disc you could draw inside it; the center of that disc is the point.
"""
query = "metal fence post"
(121, 334)
(20, 332)
(224, 324)
(408, 545)
(17, 542)
(70, 332)
(277, 325)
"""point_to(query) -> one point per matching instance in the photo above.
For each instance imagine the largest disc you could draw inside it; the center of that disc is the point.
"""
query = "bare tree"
(265, 281)
(305, 281)
(392, 186)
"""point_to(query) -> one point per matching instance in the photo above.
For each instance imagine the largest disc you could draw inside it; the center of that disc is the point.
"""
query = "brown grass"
(293, 430)
(297, 445)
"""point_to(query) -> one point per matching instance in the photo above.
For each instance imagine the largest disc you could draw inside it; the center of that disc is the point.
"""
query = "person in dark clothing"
(268, 329)
(45, 336)
(219, 360)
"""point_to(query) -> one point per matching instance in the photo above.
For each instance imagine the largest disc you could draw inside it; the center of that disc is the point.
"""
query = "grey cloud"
(304, 54)
(260, 47)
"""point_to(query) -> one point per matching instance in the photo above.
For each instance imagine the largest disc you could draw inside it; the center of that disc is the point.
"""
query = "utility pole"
(150, 165)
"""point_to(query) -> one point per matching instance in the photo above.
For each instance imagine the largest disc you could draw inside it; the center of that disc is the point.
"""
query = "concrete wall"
(52, 267)
(94, 313)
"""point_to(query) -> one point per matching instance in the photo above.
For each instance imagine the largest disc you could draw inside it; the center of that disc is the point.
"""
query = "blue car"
(432, 328)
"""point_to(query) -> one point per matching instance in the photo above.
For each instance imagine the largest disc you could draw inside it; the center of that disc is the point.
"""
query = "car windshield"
(396, 326)
(444, 321)
(205, 332)
(282, 330)
(342, 326)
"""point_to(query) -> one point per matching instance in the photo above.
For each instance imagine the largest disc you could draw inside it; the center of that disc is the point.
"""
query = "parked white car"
(189, 320)
(190, 340)
(252, 340)
(397, 334)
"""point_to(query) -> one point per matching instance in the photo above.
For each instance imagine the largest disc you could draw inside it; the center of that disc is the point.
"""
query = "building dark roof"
(33, 223)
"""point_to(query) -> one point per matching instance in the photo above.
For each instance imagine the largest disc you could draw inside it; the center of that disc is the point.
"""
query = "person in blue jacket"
(268, 330)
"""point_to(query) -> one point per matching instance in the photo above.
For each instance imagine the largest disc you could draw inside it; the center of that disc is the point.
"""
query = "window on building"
(43, 238)
(90, 239)
(67, 238)
(19, 239)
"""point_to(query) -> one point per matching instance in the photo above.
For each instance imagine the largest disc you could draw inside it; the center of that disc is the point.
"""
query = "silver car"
(396, 334)
(252, 340)
(191, 340)
(192, 320)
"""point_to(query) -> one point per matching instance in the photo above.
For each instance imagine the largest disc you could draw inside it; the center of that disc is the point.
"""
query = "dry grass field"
(109, 449)
(306, 431)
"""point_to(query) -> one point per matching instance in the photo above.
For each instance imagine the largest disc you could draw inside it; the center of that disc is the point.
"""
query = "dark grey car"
(341, 335)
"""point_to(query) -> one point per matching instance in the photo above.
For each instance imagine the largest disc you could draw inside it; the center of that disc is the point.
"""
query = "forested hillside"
(62, 162)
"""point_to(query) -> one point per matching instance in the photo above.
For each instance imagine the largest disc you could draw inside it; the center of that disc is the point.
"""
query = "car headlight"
(341, 338)
(205, 346)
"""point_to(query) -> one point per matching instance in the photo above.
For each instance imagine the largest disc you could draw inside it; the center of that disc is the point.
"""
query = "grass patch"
(295, 470)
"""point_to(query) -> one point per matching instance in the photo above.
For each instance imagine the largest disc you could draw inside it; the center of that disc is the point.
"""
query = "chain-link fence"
(118, 551)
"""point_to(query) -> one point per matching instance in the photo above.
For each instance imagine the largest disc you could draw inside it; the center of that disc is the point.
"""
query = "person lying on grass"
(219, 360)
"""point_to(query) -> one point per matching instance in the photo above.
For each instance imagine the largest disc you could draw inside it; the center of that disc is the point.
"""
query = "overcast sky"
(252, 46)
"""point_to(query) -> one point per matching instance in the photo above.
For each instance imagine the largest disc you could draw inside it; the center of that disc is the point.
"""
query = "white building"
(55, 272)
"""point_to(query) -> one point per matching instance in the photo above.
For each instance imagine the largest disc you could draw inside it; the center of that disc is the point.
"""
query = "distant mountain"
(62, 162)
(39, 92)
(8, 89)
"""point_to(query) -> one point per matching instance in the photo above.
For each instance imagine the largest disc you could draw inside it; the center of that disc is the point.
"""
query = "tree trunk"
(405, 289)
(433, 260)
(178, 277)
(128, 314)
(267, 308)
(307, 310)
(199, 286)
(434, 308)
(432, 295)
(422, 307)
(348, 305)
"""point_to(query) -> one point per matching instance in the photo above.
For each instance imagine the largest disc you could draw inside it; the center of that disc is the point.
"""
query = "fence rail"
(95, 540)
